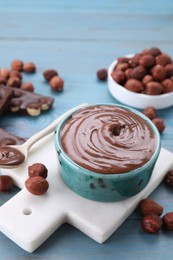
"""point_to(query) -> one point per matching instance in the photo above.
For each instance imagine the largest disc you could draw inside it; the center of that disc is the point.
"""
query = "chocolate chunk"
(25, 102)
(5, 98)
(7, 138)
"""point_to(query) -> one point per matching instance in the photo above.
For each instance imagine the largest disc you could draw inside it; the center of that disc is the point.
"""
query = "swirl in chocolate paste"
(108, 139)
(10, 156)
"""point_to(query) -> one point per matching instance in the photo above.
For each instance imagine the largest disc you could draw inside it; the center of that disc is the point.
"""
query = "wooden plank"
(66, 25)
(134, 6)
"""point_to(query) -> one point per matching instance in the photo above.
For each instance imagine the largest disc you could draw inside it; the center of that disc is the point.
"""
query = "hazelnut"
(128, 72)
(56, 83)
(151, 224)
(154, 51)
(169, 70)
(17, 65)
(146, 79)
(169, 178)
(37, 185)
(48, 74)
(122, 66)
(123, 60)
(158, 72)
(149, 206)
(33, 109)
(27, 86)
(15, 105)
(6, 183)
(144, 52)
(159, 123)
(153, 88)
(37, 169)
(147, 61)
(134, 61)
(163, 59)
(3, 80)
(29, 67)
(138, 72)
(168, 221)
(150, 112)
(45, 103)
(14, 82)
(15, 73)
(4, 73)
(119, 76)
(167, 85)
(102, 74)
(134, 85)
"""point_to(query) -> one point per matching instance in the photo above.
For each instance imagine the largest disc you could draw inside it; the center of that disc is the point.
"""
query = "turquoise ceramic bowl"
(104, 187)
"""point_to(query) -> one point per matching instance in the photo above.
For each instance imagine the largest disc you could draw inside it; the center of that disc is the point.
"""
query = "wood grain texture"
(77, 38)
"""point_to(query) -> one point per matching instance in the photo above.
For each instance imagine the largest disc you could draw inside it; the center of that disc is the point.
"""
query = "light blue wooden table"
(77, 38)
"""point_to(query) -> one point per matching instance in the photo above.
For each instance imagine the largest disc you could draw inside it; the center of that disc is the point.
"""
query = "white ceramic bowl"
(137, 100)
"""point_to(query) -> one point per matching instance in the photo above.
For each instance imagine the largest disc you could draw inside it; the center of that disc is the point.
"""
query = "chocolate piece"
(5, 98)
(25, 102)
(108, 139)
(7, 138)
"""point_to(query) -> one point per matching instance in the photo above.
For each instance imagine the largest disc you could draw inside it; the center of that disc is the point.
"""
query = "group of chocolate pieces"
(16, 100)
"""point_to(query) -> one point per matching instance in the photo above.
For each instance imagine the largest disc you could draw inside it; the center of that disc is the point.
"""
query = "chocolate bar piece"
(5, 98)
(25, 102)
(7, 138)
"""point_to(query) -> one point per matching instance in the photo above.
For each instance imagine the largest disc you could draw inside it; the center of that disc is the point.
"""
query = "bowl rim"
(134, 94)
(117, 176)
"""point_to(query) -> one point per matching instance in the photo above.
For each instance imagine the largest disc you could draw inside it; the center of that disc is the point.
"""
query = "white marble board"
(29, 220)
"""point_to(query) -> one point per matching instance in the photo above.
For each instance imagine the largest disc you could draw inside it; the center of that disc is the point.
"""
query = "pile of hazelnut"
(35, 184)
(13, 77)
(151, 211)
(149, 72)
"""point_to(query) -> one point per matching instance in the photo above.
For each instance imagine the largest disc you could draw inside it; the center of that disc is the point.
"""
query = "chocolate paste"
(108, 139)
(10, 156)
